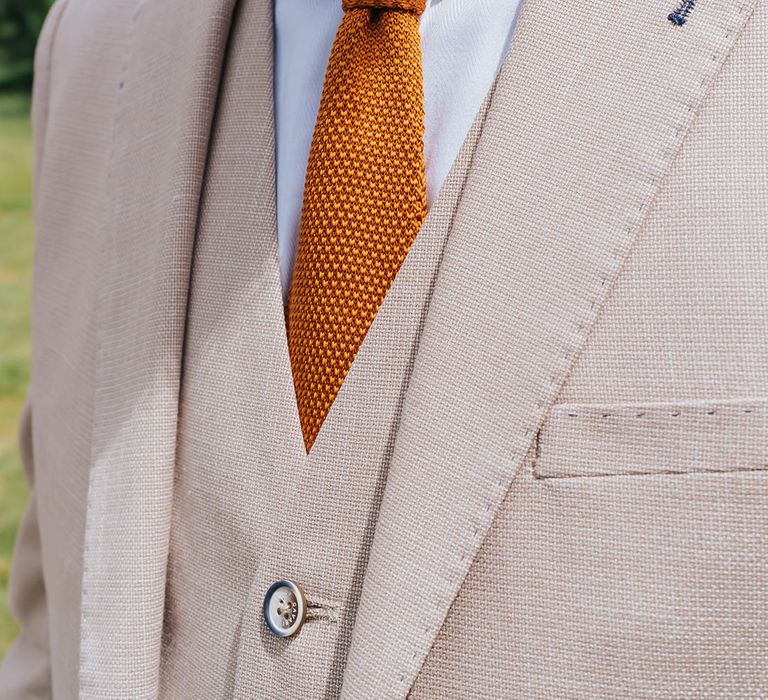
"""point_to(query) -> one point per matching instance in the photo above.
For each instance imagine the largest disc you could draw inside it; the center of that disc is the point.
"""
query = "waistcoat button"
(285, 608)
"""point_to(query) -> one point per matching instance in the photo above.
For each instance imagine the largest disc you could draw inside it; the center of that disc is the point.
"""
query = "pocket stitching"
(610, 414)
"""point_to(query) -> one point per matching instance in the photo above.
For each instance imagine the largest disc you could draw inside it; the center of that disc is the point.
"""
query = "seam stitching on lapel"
(584, 325)
(486, 108)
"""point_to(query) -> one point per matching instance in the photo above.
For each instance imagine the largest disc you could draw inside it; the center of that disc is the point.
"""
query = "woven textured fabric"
(364, 197)
(625, 557)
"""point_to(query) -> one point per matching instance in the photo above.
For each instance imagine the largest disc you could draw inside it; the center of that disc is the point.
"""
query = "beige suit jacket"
(574, 493)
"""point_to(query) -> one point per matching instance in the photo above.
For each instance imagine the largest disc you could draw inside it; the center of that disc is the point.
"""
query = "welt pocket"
(580, 440)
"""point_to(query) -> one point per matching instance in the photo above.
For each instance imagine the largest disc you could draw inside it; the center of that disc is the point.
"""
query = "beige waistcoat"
(546, 474)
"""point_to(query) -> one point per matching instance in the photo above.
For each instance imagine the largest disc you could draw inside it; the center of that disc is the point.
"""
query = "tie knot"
(415, 6)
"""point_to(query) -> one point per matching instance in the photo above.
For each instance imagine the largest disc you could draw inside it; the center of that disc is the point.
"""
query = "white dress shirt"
(463, 43)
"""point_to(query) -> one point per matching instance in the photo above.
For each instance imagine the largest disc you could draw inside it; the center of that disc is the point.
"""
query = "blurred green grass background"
(20, 24)
(16, 238)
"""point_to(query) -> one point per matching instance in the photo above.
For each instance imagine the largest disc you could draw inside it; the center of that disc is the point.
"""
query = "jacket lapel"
(590, 107)
(167, 97)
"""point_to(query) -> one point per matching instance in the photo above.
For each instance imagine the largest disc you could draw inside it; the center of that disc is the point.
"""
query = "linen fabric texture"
(545, 474)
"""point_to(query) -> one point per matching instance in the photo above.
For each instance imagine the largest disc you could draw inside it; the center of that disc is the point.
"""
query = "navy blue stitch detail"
(680, 15)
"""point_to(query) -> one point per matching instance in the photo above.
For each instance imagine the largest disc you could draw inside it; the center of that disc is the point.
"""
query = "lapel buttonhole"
(679, 15)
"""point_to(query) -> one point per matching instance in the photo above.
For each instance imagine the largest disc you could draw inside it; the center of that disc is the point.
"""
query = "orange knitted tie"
(364, 196)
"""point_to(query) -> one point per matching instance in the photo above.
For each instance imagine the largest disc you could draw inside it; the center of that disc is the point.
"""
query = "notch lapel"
(591, 105)
(167, 99)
